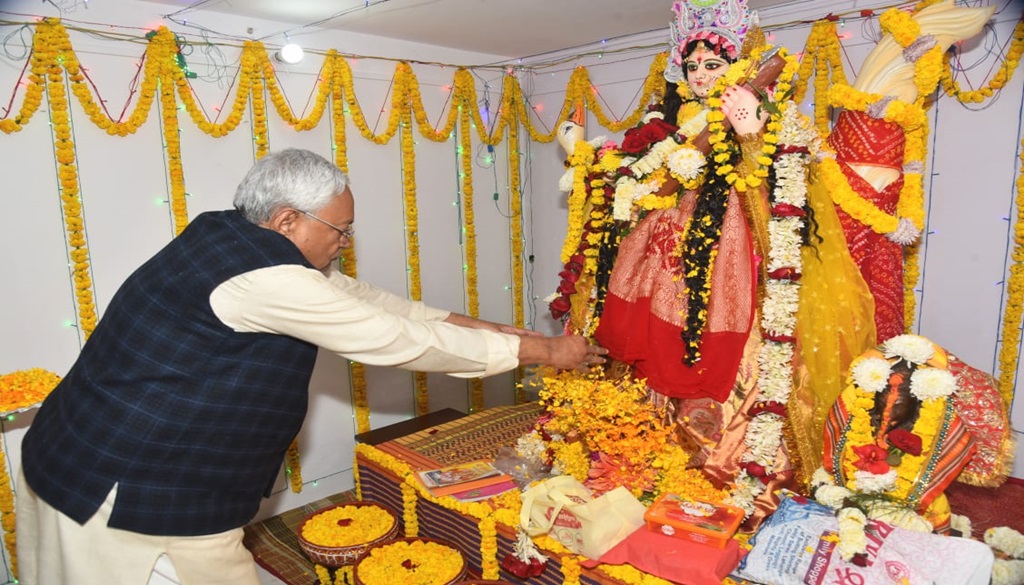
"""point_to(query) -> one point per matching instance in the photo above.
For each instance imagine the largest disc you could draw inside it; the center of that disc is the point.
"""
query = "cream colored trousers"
(55, 550)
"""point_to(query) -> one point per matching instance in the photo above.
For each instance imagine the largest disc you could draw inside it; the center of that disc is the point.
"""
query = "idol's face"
(703, 68)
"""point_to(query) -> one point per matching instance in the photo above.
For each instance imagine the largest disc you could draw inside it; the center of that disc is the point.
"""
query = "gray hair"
(294, 178)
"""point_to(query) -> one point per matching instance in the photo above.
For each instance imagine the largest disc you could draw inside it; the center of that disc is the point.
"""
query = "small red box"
(698, 521)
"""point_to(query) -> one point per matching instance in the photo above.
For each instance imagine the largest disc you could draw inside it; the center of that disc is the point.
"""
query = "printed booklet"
(462, 477)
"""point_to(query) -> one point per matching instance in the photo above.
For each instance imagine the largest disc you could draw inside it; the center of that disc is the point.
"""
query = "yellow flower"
(341, 526)
(410, 562)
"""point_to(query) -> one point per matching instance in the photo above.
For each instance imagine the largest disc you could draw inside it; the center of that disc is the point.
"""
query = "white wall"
(973, 164)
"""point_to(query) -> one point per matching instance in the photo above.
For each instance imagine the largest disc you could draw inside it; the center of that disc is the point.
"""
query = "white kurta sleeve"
(359, 322)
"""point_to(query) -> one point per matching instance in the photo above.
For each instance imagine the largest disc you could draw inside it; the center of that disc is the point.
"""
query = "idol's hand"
(742, 108)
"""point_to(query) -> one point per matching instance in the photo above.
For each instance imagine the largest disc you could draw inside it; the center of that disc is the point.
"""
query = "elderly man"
(173, 422)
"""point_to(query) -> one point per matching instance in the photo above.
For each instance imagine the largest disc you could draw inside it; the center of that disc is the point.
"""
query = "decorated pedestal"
(484, 531)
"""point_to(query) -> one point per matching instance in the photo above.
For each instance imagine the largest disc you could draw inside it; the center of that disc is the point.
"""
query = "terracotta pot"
(331, 556)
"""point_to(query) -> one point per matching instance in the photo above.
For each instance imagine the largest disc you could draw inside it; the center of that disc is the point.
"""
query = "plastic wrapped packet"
(797, 545)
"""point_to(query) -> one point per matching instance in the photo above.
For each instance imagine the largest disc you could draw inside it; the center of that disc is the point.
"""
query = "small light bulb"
(290, 53)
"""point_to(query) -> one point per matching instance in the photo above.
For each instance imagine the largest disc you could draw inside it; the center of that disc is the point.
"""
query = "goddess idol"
(707, 255)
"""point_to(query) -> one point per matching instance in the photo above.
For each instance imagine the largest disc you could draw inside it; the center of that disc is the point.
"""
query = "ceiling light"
(290, 53)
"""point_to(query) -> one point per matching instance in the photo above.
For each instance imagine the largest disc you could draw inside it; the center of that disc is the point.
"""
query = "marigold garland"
(258, 104)
(515, 204)
(1012, 315)
(820, 54)
(293, 466)
(476, 386)
(18, 391)
(51, 34)
(409, 516)
(8, 521)
(38, 62)
(402, 73)
(999, 80)
(172, 144)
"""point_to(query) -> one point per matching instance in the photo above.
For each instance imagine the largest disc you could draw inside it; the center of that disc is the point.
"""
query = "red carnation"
(871, 458)
(905, 441)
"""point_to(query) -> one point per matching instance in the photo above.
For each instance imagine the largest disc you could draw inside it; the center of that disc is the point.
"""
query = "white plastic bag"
(566, 510)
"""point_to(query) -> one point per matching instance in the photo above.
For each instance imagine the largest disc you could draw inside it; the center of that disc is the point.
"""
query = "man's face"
(703, 68)
(319, 242)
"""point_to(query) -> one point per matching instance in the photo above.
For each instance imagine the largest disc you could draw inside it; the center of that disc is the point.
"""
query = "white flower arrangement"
(1006, 572)
(628, 190)
(1011, 543)
(961, 524)
(1006, 540)
(531, 446)
(745, 491)
(775, 363)
(785, 241)
(778, 310)
(694, 125)
(798, 130)
(912, 348)
(655, 157)
(871, 374)
(821, 477)
(565, 181)
(763, 439)
(852, 540)
(686, 162)
(652, 115)
(932, 383)
(779, 315)
(896, 515)
(832, 496)
(872, 483)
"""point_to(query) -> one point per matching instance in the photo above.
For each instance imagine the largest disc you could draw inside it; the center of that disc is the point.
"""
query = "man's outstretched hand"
(566, 352)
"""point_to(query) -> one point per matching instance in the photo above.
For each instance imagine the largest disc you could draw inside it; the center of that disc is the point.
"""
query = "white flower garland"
(1007, 540)
(1011, 543)
(852, 539)
(873, 483)
(778, 312)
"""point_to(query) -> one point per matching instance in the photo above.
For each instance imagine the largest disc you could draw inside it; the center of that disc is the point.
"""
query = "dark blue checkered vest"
(189, 418)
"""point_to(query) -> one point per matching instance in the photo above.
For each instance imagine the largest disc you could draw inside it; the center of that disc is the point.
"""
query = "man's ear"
(283, 221)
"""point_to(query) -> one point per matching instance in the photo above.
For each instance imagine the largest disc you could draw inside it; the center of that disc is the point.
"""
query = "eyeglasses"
(346, 233)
